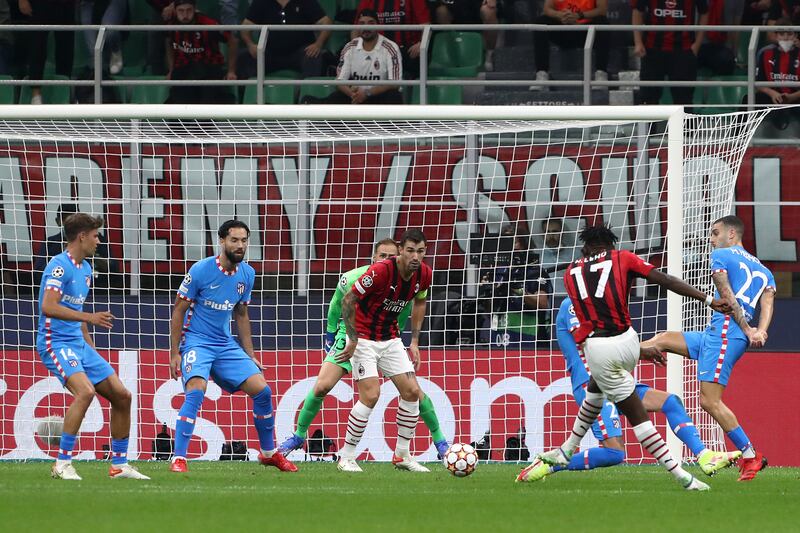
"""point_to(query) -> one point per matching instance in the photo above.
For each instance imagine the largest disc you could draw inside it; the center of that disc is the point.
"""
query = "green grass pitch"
(247, 497)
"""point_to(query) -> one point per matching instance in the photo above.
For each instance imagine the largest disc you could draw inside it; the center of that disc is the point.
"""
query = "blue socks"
(593, 458)
(263, 419)
(65, 446)
(682, 425)
(738, 438)
(184, 426)
(119, 451)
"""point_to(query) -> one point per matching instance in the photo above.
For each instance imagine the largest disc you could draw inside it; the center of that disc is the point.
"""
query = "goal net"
(500, 193)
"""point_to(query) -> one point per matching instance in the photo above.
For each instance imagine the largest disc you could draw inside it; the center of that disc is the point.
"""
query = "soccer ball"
(461, 459)
(49, 429)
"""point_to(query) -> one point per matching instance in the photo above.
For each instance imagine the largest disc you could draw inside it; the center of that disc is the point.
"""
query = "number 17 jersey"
(748, 278)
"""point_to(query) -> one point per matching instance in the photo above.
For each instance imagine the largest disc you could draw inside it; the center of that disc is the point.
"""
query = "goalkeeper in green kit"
(331, 371)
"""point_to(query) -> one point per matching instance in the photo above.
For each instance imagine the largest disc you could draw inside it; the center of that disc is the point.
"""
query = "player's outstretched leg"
(329, 375)
(184, 425)
(264, 421)
(115, 392)
(428, 415)
(599, 457)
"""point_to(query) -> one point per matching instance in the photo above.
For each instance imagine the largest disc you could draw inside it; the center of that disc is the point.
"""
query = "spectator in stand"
(60, 12)
(789, 9)
(556, 251)
(368, 57)
(286, 49)
(6, 41)
(401, 12)
(668, 54)
(779, 62)
(756, 12)
(195, 55)
(571, 13)
(470, 12)
(717, 51)
(104, 12)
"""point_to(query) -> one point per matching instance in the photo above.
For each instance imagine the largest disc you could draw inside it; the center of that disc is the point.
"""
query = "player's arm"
(637, 19)
(678, 286)
(723, 285)
(232, 54)
(52, 308)
(417, 317)
(242, 318)
(699, 35)
(175, 330)
(767, 306)
(349, 319)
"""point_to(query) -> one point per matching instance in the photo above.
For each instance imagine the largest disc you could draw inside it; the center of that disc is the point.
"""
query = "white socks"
(587, 414)
(651, 440)
(356, 425)
(407, 418)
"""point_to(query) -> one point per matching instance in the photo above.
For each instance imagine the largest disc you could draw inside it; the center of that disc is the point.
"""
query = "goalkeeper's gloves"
(330, 339)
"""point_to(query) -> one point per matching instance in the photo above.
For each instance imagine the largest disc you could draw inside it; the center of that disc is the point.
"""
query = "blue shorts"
(228, 364)
(715, 359)
(608, 425)
(66, 359)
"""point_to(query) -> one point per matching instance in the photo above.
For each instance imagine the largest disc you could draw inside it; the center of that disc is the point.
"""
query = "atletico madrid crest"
(240, 288)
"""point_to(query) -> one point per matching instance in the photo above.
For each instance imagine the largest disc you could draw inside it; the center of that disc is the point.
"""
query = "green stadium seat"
(134, 50)
(329, 7)
(725, 99)
(285, 74)
(51, 94)
(348, 5)
(456, 54)
(440, 94)
(7, 96)
(273, 94)
(336, 42)
(318, 91)
(145, 94)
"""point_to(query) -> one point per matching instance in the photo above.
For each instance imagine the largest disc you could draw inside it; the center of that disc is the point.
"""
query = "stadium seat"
(666, 95)
(726, 98)
(51, 94)
(7, 92)
(337, 41)
(273, 94)
(329, 7)
(440, 94)
(318, 91)
(456, 54)
(147, 94)
(134, 50)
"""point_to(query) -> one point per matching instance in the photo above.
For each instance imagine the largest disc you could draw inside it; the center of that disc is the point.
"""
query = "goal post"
(501, 193)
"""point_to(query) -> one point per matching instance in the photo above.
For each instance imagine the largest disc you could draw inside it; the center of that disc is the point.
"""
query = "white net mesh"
(501, 204)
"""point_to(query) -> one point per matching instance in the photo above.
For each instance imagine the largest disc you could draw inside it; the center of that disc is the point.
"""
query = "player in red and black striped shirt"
(668, 54)
(195, 55)
(370, 314)
(598, 285)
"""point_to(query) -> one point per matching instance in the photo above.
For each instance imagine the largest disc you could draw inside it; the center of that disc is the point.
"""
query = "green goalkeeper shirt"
(345, 285)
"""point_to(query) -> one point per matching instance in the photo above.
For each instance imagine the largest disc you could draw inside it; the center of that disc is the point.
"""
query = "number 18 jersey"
(748, 278)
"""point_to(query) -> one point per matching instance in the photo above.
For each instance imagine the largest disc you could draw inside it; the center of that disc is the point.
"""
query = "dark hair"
(64, 211)
(228, 225)
(181, 2)
(596, 236)
(412, 235)
(382, 242)
(557, 220)
(78, 223)
(732, 221)
(369, 13)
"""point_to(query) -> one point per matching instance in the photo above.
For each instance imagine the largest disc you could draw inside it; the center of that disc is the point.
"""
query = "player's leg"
(112, 389)
(669, 341)
(256, 387)
(428, 415)
(365, 372)
(407, 415)
(329, 375)
(194, 391)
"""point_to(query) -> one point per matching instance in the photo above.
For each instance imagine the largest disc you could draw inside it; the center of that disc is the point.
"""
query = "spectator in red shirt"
(400, 12)
(716, 52)
(48, 12)
(780, 62)
(665, 53)
(195, 55)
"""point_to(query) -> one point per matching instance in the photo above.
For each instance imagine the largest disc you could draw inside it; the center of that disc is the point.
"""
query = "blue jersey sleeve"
(190, 286)
(565, 322)
(248, 285)
(57, 275)
(719, 260)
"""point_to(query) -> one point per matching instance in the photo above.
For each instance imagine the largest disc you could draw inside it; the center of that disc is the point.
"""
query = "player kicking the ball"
(332, 371)
(741, 279)
(202, 344)
(608, 429)
(67, 350)
(370, 312)
(599, 285)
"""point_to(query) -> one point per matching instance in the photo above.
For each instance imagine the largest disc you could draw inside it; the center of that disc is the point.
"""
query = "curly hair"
(600, 235)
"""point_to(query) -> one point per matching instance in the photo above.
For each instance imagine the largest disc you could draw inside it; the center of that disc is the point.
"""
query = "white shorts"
(390, 357)
(611, 361)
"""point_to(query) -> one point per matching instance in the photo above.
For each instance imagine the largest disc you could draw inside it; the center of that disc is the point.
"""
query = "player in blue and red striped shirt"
(598, 285)
(743, 280)
(67, 349)
(370, 313)
(215, 290)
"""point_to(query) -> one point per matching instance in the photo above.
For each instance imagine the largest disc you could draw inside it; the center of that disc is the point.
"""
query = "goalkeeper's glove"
(330, 339)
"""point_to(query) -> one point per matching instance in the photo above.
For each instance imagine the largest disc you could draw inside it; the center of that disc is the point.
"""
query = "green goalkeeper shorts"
(338, 346)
